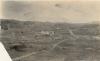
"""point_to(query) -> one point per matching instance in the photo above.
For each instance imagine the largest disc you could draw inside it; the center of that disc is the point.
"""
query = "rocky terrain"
(44, 41)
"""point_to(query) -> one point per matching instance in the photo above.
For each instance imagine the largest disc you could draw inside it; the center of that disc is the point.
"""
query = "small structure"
(47, 33)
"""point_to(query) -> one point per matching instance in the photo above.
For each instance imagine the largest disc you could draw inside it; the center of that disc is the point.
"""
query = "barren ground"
(44, 41)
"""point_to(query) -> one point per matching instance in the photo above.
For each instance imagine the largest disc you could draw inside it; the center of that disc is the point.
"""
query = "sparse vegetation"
(50, 40)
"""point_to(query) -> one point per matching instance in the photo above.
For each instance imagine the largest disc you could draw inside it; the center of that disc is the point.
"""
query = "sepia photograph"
(50, 30)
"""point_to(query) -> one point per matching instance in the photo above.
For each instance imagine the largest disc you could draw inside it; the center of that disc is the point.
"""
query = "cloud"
(52, 11)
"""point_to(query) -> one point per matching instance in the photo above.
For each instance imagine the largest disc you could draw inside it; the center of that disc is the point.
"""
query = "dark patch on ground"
(52, 41)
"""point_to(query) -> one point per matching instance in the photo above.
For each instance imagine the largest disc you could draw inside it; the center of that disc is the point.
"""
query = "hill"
(52, 41)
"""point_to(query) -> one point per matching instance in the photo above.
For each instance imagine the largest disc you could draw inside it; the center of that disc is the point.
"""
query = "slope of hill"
(52, 41)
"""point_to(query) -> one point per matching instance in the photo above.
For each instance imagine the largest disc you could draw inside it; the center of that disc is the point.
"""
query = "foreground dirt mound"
(44, 41)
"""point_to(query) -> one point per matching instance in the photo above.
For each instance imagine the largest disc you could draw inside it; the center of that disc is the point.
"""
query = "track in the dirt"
(51, 41)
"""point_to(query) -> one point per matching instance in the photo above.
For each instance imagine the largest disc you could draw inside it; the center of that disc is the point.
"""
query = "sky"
(52, 11)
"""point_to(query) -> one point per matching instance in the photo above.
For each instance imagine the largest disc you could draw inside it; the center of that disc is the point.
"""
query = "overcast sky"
(53, 11)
